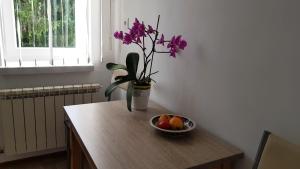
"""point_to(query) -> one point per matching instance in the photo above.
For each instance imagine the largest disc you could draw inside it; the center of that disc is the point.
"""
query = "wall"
(240, 72)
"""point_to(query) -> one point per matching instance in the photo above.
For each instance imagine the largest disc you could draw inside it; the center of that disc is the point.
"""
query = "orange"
(176, 123)
(164, 117)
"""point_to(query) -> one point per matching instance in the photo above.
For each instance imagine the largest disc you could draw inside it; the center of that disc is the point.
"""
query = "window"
(37, 33)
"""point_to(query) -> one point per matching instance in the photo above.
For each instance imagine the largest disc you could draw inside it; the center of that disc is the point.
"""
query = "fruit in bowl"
(164, 117)
(164, 124)
(176, 123)
(170, 122)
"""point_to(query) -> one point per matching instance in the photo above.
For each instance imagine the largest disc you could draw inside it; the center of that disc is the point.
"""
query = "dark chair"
(276, 153)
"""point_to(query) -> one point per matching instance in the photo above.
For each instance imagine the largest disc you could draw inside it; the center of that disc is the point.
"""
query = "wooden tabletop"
(114, 138)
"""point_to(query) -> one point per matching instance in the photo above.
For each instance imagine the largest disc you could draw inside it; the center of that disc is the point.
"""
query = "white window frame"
(61, 56)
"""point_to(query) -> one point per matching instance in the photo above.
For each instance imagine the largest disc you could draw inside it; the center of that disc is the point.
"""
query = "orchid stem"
(153, 46)
(139, 45)
(161, 52)
(144, 52)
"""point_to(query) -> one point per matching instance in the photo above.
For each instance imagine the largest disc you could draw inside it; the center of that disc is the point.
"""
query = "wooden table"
(111, 137)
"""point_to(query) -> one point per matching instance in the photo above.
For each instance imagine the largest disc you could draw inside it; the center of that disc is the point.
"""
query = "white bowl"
(189, 124)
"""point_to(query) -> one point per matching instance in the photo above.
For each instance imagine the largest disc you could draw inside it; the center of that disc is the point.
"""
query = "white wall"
(240, 72)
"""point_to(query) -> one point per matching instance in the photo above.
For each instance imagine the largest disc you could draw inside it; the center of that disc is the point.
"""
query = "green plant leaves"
(121, 77)
(129, 95)
(114, 66)
(132, 62)
(113, 86)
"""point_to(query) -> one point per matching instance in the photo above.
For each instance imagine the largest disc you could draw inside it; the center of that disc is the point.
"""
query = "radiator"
(33, 118)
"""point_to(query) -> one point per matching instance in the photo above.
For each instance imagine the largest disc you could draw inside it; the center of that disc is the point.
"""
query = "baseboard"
(5, 158)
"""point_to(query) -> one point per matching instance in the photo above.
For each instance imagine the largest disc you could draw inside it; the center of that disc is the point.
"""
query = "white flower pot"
(140, 97)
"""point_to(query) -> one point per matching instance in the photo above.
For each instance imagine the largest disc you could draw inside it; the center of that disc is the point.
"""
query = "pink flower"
(127, 39)
(161, 40)
(135, 28)
(141, 30)
(116, 35)
(173, 52)
(177, 40)
(136, 31)
(176, 43)
(150, 29)
(119, 35)
(133, 32)
(136, 22)
(172, 44)
(182, 44)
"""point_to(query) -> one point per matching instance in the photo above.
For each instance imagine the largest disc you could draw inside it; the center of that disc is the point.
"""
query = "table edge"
(84, 149)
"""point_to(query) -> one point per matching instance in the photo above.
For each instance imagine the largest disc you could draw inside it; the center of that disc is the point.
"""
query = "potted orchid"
(139, 84)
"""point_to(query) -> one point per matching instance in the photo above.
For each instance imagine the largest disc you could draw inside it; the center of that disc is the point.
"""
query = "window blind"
(45, 33)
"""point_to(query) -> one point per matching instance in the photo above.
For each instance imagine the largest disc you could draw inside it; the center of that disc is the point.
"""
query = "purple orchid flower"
(138, 40)
(136, 22)
(150, 29)
(141, 30)
(177, 40)
(182, 44)
(127, 39)
(133, 32)
(175, 44)
(119, 35)
(116, 35)
(138, 31)
(172, 43)
(173, 52)
(161, 40)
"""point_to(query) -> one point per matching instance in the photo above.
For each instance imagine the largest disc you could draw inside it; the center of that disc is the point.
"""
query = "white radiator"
(33, 118)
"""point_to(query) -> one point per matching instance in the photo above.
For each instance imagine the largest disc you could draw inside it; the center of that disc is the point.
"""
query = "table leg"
(227, 165)
(222, 165)
(68, 136)
(76, 153)
(216, 166)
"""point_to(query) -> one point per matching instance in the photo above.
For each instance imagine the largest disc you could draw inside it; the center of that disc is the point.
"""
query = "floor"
(53, 161)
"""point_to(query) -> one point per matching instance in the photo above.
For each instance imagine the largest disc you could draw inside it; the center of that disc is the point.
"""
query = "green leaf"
(129, 95)
(113, 86)
(132, 61)
(121, 77)
(113, 66)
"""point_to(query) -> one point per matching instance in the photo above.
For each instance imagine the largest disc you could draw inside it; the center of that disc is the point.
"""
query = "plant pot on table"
(140, 96)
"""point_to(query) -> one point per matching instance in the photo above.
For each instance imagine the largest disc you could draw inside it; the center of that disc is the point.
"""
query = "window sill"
(45, 70)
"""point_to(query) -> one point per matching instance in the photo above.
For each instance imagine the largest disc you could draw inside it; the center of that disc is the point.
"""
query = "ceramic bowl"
(189, 124)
